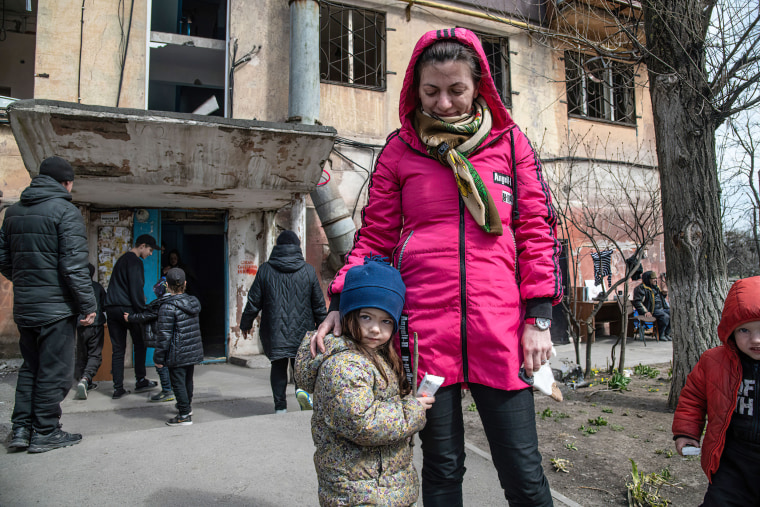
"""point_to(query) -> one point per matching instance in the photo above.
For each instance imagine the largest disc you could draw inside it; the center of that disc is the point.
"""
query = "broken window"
(351, 46)
(196, 18)
(188, 65)
(599, 88)
(497, 53)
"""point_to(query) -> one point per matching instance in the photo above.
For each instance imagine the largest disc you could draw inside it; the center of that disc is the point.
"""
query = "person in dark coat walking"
(287, 293)
(179, 345)
(90, 343)
(125, 295)
(43, 251)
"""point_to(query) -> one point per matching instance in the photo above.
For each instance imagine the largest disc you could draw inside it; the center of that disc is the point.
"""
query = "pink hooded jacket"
(467, 291)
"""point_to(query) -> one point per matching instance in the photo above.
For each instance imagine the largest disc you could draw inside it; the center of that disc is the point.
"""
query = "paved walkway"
(236, 452)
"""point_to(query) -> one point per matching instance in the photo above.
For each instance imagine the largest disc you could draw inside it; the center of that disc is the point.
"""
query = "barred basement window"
(351, 46)
(497, 53)
(599, 88)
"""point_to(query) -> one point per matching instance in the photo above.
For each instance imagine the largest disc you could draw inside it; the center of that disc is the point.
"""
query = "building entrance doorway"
(195, 241)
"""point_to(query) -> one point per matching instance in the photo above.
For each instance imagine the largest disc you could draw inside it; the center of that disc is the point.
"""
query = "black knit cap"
(288, 238)
(57, 168)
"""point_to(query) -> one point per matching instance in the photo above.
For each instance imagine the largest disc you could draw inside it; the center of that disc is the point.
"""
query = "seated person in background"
(650, 301)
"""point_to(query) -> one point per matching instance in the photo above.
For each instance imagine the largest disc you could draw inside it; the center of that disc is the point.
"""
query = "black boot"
(20, 438)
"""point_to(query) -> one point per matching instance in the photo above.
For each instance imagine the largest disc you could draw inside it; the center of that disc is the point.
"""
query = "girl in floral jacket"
(364, 416)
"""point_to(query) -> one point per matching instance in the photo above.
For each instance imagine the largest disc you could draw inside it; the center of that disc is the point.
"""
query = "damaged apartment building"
(215, 124)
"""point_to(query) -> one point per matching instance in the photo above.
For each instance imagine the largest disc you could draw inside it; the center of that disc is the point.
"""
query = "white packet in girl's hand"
(429, 385)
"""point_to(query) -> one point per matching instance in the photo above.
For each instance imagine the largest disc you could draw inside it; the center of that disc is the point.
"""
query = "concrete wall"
(58, 43)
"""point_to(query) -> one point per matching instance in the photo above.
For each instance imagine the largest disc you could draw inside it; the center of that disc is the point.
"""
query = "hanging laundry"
(602, 267)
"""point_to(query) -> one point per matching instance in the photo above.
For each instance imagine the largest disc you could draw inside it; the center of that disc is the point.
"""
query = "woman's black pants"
(509, 422)
(278, 377)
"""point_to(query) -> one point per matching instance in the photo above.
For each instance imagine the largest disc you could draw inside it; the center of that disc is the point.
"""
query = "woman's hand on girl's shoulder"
(426, 401)
(317, 340)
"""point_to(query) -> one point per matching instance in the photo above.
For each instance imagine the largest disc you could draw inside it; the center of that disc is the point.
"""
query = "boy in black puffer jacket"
(179, 345)
(149, 321)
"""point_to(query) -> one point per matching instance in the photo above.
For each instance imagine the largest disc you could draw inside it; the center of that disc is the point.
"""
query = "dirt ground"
(637, 428)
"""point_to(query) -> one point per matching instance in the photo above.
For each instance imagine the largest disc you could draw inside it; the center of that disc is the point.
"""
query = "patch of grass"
(561, 415)
(646, 371)
(472, 407)
(616, 427)
(588, 430)
(644, 489)
(546, 413)
(607, 410)
(599, 421)
(571, 446)
(618, 382)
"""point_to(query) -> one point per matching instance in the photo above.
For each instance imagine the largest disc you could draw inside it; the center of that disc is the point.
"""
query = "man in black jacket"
(287, 293)
(125, 295)
(649, 301)
(43, 251)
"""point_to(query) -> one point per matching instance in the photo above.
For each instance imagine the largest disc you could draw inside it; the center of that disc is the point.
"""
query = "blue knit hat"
(376, 284)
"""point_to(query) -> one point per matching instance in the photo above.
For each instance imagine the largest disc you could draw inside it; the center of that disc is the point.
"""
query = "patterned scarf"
(450, 140)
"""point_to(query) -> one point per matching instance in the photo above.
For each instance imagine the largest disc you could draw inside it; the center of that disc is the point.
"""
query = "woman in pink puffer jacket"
(459, 203)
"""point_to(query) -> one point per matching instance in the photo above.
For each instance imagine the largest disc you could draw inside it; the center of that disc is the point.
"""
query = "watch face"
(543, 324)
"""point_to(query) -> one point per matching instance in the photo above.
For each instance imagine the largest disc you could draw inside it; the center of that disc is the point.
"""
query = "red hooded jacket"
(467, 291)
(713, 385)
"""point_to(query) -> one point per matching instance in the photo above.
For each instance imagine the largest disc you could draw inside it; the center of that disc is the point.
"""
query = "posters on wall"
(113, 242)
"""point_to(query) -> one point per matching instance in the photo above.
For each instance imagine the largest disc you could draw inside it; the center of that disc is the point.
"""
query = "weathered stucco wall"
(250, 238)
(261, 85)
(58, 43)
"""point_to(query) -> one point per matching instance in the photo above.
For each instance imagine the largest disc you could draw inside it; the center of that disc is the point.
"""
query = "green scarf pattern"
(450, 141)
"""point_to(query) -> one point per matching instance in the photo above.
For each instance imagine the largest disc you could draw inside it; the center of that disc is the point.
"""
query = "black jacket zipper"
(463, 291)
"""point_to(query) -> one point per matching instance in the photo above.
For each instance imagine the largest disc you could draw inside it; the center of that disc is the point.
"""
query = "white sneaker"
(82, 388)
(304, 399)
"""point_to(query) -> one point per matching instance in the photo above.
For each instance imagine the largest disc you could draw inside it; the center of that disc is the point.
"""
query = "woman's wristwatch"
(540, 322)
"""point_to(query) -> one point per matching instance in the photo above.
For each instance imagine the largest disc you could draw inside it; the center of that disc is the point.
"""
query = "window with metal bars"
(497, 53)
(599, 88)
(351, 46)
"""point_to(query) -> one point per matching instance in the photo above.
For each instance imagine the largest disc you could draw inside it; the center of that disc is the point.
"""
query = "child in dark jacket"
(90, 343)
(179, 345)
(723, 387)
(149, 321)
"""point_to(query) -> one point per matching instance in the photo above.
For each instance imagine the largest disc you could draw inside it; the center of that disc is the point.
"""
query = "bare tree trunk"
(685, 129)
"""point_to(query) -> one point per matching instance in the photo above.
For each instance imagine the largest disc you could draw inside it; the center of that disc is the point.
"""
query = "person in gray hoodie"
(43, 251)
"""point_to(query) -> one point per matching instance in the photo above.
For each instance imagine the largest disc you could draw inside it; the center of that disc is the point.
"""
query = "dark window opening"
(599, 88)
(497, 54)
(351, 46)
(197, 18)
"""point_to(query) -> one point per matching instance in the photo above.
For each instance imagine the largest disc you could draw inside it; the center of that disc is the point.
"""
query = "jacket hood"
(43, 188)
(410, 100)
(286, 258)
(309, 369)
(185, 302)
(742, 305)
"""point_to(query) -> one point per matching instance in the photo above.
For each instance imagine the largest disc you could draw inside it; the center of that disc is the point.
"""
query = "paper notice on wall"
(113, 242)
(109, 217)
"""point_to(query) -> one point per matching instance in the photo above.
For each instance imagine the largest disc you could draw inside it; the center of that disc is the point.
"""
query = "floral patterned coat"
(361, 426)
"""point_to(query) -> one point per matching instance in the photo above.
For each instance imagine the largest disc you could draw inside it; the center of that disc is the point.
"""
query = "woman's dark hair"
(352, 330)
(446, 51)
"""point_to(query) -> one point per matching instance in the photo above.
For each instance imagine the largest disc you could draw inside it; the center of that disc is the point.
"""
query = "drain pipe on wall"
(303, 107)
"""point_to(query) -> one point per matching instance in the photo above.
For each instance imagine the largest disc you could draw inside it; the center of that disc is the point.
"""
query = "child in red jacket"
(724, 387)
